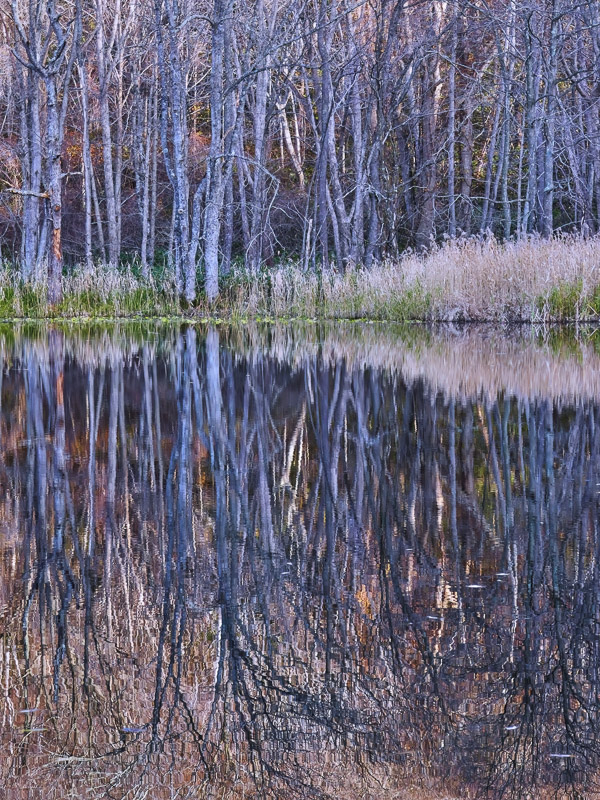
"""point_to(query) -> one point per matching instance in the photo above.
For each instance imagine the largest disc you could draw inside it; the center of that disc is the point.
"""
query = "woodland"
(190, 139)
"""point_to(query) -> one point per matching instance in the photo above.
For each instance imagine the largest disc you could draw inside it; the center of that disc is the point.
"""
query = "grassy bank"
(98, 292)
(530, 280)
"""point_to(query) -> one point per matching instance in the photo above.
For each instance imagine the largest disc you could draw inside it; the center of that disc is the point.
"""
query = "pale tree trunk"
(452, 124)
(505, 163)
(339, 214)
(104, 46)
(118, 172)
(532, 123)
(228, 228)
(174, 110)
(428, 168)
(54, 189)
(142, 157)
(486, 214)
(509, 70)
(465, 215)
(145, 205)
(214, 185)
(229, 119)
(325, 112)
(111, 35)
(519, 222)
(88, 176)
(31, 161)
(51, 65)
(242, 188)
(357, 97)
(505, 46)
(430, 97)
(97, 214)
(550, 122)
(358, 218)
(290, 145)
(259, 131)
(153, 178)
(373, 227)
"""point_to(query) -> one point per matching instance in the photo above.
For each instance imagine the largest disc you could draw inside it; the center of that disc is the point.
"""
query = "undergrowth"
(100, 291)
(466, 279)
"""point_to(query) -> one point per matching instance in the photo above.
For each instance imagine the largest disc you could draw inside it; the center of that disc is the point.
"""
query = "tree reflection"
(287, 581)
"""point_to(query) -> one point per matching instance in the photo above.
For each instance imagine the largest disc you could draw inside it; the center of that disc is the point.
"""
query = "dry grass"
(97, 291)
(527, 279)
(470, 279)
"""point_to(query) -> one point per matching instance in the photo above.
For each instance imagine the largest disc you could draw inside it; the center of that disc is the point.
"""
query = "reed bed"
(530, 280)
(95, 291)
(465, 279)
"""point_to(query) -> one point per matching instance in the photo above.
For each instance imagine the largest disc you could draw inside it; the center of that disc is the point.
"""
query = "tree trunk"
(54, 189)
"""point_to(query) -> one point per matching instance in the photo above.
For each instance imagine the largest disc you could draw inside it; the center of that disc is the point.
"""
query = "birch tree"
(47, 37)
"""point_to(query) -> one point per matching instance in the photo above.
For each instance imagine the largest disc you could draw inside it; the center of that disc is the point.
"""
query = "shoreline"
(236, 319)
(464, 281)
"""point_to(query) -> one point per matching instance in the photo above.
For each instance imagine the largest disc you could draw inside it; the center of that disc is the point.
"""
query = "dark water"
(291, 564)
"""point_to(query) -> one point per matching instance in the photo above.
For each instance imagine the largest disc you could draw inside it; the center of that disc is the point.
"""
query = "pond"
(299, 561)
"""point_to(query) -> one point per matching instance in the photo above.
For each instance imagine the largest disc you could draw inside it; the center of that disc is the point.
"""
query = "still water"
(299, 563)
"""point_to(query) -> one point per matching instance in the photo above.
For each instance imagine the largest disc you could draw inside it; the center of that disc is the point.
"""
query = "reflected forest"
(227, 573)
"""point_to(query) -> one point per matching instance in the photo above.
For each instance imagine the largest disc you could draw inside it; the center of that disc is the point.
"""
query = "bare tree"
(47, 38)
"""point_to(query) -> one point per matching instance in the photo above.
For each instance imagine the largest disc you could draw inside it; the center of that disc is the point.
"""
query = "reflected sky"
(289, 563)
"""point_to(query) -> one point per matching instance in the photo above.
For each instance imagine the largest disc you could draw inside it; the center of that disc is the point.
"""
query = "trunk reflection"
(231, 575)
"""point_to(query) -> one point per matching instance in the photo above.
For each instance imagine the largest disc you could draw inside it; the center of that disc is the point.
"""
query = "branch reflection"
(228, 575)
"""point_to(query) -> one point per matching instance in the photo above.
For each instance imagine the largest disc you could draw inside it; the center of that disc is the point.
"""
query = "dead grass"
(530, 280)
(469, 279)
(97, 291)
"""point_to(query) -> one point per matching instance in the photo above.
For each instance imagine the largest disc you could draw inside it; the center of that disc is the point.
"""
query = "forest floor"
(530, 280)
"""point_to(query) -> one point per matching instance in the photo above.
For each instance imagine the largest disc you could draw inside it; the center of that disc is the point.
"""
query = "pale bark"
(215, 185)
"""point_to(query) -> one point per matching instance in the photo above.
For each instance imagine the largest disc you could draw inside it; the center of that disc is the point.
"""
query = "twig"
(29, 193)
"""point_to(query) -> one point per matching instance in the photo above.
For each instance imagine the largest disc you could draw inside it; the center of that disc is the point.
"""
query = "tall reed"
(532, 280)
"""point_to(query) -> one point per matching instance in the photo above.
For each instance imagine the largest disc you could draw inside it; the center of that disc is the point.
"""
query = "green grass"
(563, 302)
(102, 292)
(569, 302)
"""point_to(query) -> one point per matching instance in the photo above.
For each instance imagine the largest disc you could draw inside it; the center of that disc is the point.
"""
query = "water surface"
(299, 562)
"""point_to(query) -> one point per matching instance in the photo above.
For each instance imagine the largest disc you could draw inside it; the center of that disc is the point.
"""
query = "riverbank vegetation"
(531, 280)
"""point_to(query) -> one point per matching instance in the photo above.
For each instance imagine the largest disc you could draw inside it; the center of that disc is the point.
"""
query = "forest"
(195, 138)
